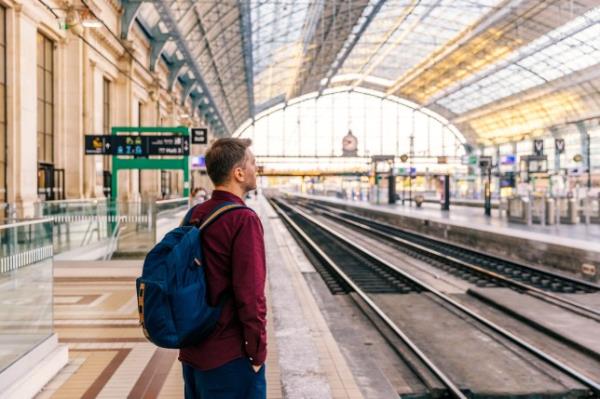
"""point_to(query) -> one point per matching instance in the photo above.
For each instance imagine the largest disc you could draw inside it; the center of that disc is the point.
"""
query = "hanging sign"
(559, 145)
(167, 145)
(127, 145)
(509, 159)
(97, 145)
(140, 146)
(200, 135)
(538, 147)
(485, 162)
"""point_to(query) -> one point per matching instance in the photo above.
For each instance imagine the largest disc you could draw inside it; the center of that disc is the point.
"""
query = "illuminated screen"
(507, 159)
(198, 162)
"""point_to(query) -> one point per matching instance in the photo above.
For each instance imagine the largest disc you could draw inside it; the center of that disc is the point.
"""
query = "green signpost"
(181, 163)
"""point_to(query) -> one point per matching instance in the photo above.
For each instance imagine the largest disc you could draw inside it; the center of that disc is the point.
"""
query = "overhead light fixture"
(88, 20)
(91, 23)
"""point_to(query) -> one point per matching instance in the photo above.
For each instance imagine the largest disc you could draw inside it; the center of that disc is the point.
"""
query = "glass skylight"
(402, 35)
(277, 29)
(568, 49)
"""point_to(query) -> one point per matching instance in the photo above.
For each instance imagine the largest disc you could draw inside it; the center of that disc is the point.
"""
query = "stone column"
(123, 115)
(151, 178)
(22, 66)
(78, 168)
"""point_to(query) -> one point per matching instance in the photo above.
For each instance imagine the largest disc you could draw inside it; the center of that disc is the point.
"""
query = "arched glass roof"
(494, 68)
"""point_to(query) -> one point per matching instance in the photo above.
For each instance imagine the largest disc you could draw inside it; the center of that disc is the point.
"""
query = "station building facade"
(60, 81)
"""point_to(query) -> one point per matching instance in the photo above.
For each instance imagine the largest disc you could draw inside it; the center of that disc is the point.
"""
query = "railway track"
(363, 273)
(479, 269)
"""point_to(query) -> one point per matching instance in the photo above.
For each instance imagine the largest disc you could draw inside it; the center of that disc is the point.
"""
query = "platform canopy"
(498, 70)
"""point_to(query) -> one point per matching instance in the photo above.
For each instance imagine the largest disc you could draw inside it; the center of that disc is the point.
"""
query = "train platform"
(568, 248)
(95, 315)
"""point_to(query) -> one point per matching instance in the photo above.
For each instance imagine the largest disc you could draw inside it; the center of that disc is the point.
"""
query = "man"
(229, 364)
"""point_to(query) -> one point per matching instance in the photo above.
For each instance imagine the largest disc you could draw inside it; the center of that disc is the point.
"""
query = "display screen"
(507, 159)
(507, 180)
(198, 162)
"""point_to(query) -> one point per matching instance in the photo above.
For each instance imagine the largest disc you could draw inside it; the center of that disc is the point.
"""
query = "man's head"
(229, 162)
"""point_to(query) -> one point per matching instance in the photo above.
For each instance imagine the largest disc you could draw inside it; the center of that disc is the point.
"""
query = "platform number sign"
(538, 147)
(200, 135)
(559, 144)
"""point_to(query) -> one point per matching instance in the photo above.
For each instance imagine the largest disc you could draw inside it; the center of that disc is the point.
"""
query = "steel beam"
(187, 86)
(171, 25)
(340, 61)
(130, 11)
(174, 70)
(196, 99)
(246, 29)
(157, 44)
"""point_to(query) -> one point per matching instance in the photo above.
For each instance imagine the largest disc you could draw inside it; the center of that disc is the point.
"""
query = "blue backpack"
(172, 299)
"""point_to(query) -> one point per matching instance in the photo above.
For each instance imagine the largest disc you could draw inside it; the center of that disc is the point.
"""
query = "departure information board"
(140, 146)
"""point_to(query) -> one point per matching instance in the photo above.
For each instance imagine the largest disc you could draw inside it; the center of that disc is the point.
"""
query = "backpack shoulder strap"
(218, 211)
(187, 219)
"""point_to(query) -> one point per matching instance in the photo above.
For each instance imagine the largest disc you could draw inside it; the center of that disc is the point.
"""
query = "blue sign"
(198, 162)
(508, 159)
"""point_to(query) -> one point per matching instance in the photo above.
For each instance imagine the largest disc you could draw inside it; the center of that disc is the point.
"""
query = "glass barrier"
(175, 205)
(77, 223)
(128, 229)
(26, 314)
(142, 224)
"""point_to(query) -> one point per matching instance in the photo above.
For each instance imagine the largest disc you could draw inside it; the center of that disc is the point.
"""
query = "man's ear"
(238, 173)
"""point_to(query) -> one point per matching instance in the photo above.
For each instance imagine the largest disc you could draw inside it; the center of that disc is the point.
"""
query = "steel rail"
(593, 385)
(453, 389)
(555, 299)
(534, 269)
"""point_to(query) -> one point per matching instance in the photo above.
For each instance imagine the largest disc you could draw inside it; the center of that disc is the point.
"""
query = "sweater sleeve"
(248, 276)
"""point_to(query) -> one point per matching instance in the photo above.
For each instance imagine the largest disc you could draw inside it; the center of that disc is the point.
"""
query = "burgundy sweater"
(234, 251)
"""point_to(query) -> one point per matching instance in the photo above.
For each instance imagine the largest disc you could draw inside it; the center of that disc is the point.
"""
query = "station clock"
(349, 144)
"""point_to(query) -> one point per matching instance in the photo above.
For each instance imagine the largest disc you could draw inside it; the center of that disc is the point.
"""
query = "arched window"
(315, 126)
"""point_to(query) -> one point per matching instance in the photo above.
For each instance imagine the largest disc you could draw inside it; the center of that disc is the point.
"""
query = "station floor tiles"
(108, 354)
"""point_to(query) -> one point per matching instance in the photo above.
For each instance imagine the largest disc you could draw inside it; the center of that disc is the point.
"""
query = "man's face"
(249, 172)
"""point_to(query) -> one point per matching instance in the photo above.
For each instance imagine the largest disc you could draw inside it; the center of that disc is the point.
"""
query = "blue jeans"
(233, 380)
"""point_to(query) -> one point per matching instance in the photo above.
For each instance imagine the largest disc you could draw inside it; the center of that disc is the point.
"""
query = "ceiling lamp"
(88, 20)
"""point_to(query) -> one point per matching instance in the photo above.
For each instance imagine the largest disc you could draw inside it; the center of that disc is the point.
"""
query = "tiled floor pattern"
(108, 354)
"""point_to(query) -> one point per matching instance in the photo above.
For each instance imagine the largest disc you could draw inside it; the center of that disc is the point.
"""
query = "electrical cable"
(49, 8)
(100, 53)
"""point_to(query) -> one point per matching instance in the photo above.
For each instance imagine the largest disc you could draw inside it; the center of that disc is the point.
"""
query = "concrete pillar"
(123, 115)
(70, 141)
(23, 135)
(151, 117)
(96, 125)
(585, 151)
(556, 135)
(137, 112)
